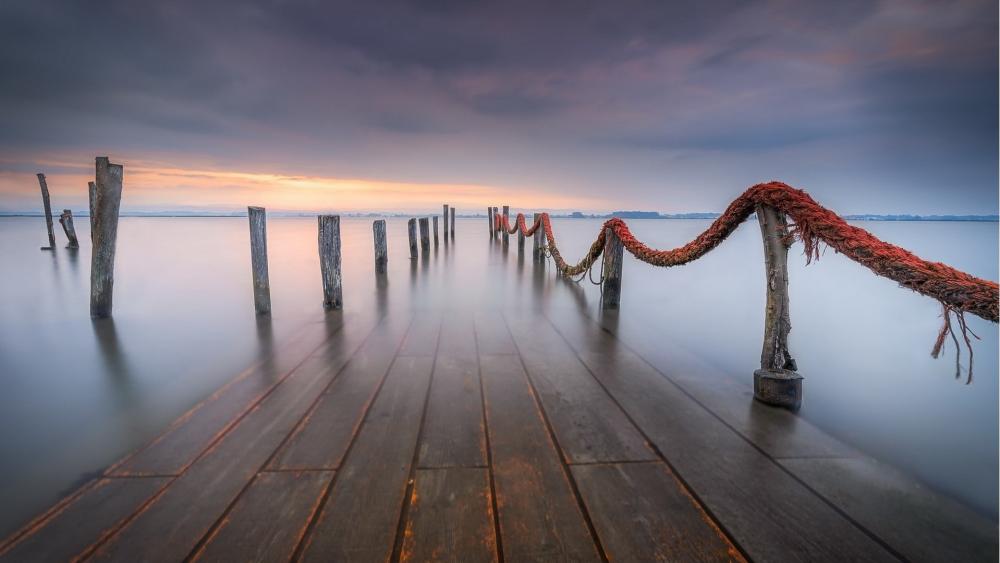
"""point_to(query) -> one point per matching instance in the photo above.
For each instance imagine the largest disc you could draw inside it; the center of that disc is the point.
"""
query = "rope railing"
(813, 225)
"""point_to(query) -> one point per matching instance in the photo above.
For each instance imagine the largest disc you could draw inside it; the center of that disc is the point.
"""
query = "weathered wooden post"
(258, 260)
(503, 225)
(411, 229)
(452, 222)
(329, 261)
(489, 217)
(105, 202)
(66, 220)
(445, 219)
(539, 251)
(611, 272)
(435, 221)
(776, 382)
(425, 237)
(48, 211)
(381, 252)
(520, 240)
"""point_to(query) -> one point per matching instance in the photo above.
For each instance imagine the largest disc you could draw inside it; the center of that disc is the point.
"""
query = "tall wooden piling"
(506, 220)
(48, 211)
(105, 202)
(425, 238)
(520, 241)
(539, 236)
(329, 261)
(435, 229)
(489, 218)
(66, 220)
(445, 219)
(258, 260)
(452, 210)
(776, 382)
(611, 272)
(381, 251)
(411, 230)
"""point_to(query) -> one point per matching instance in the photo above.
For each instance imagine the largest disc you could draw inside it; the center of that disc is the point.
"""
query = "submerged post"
(539, 251)
(105, 201)
(520, 240)
(48, 211)
(329, 261)
(435, 221)
(445, 218)
(776, 382)
(258, 260)
(506, 220)
(489, 217)
(425, 238)
(411, 230)
(611, 273)
(66, 220)
(381, 252)
(452, 210)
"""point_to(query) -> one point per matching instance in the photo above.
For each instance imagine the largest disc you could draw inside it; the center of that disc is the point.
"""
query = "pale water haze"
(79, 394)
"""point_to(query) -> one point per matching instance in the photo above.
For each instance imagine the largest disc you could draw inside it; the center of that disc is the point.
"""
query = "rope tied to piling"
(957, 291)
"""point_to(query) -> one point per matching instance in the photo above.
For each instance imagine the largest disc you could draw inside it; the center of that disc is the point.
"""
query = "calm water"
(80, 394)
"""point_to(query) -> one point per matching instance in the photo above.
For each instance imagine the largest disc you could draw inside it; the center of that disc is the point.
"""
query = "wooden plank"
(72, 527)
(268, 520)
(360, 520)
(642, 513)
(450, 517)
(492, 336)
(771, 515)
(458, 336)
(453, 431)
(919, 523)
(189, 435)
(322, 438)
(589, 426)
(171, 527)
(540, 519)
(422, 338)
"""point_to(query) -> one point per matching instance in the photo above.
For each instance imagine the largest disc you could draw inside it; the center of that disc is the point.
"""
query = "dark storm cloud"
(567, 91)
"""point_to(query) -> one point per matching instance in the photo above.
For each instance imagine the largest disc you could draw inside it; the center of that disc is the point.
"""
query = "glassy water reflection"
(79, 394)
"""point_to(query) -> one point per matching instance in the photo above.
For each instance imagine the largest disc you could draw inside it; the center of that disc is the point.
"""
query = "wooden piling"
(445, 219)
(66, 220)
(411, 229)
(776, 382)
(611, 272)
(48, 212)
(435, 229)
(520, 241)
(425, 238)
(539, 236)
(506, 217)
(329, 261)
(489, 217)
(105, 202)
(381, 251)
(258, 260)
(452, 210)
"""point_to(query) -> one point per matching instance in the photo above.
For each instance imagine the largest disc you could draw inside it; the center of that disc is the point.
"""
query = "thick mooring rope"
(957, 291)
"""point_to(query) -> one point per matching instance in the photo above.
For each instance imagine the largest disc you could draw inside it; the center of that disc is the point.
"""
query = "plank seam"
(489, 448)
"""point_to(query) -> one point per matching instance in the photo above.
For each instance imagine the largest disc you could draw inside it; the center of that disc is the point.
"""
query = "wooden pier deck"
(510, 435)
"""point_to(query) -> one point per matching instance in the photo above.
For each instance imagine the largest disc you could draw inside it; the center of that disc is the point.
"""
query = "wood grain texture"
(47, 207)
(66, 220)
(590, 427)
(611, 270)
(540, 519)
(453, 431)
(106, 197)
(425, 241)
(75, 526)
(381, 249)
(450, 517)
(268, 520)
(258, 260)
(361, 517)
(642, 513)
(329, 261)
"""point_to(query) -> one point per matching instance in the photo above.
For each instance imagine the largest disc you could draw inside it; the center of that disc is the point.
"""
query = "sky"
(883, 106)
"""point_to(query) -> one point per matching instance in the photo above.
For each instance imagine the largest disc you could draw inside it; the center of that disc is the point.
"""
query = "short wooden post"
(411, 230)
(48, 212)
(452, 210)
(776, 382)
(611, 272)
(520, 240)
(329, 261)
(66, 220)
(381, 251)
(258, 260)
(503, 225)
(539, 236)
(489, 217)
(435, 229)
(425, 237)
(445, 219)
(105, 202)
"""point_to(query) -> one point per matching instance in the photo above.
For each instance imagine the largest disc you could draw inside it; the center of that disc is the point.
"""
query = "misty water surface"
(78, 394)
